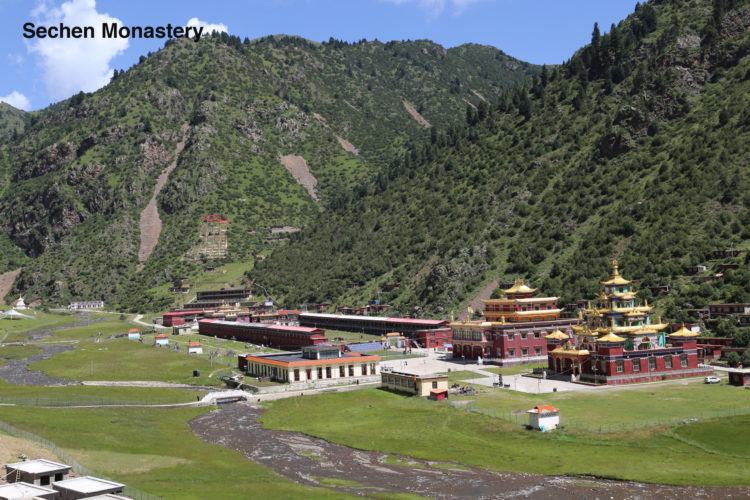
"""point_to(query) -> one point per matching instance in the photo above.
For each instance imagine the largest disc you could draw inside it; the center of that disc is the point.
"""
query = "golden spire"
(452, 318)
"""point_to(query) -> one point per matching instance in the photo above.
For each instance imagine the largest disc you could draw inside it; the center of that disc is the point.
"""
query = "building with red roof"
(280, 336)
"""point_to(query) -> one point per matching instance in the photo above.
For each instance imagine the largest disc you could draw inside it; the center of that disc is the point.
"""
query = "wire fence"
(77, 467)
(588, 426)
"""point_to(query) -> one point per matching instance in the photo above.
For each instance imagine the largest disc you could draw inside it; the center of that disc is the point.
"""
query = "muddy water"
(315, 462)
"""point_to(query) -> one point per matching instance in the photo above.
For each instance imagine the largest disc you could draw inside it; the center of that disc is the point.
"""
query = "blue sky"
(37, 72)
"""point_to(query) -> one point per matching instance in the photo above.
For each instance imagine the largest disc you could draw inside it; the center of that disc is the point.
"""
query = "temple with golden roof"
(513, 330)
(619, 343)
(520, 306)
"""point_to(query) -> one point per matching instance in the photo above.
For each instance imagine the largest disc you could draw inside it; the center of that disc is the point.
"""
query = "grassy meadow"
(646, 451)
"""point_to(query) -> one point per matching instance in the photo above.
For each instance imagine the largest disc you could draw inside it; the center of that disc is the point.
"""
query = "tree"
(746, 358)
(733, 359)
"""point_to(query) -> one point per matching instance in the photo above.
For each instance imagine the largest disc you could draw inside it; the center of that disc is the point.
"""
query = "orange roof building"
(314, 365)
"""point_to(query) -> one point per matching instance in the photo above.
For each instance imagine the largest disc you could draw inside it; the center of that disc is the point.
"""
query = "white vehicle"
(712, 380)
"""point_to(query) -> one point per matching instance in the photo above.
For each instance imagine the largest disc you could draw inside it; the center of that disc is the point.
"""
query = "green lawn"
(458, 376)
(623, 409)
(18, 351)
(155, 451)
(122, 359)
(513, 370)
(365, 419)
(73, 395)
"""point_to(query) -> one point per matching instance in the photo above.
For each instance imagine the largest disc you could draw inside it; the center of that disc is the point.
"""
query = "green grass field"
(123, 359)
(74, 395)
(364, 420)
(155, 451)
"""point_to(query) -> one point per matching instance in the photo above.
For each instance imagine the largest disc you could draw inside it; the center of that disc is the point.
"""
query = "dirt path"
(414, 114)
(483, 294)
(347, 145)
(6, 281)
(312, 461)
(297, 166)
(478, 95)
(150, 220)
(322, 120)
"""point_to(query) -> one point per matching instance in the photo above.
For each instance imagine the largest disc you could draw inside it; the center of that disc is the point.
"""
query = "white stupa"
(20, 304)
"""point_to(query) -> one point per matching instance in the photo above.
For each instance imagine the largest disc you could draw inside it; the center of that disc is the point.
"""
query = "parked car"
(712, 380)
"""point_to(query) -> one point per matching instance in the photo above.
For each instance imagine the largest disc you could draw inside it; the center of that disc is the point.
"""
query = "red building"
(437, 337)
(515, 329)
(281, 336)
(621, 345)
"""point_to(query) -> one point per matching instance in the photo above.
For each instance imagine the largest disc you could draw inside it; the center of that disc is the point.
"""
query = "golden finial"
(614, 264)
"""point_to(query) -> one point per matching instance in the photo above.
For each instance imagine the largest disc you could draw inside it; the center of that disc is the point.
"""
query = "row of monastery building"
(617, 342)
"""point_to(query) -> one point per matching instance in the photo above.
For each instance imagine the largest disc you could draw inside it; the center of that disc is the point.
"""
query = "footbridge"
(220, 397)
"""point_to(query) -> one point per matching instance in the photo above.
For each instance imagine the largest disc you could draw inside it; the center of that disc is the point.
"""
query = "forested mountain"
(75, 183)
(636, 148)
(12, 121)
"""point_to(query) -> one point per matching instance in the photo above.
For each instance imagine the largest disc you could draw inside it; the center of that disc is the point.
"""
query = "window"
(652, 364)
(341, 371)
(511, 336)
(372, 369)
(537, 335)
(511, 352)
(320, 373)
(364, 370)
(44, 480)
(668, 362)
(434, 385)
(537, 351)
(619, 366)
(683, 360)
(636, 365)
(328, 372)
(351, 370)
(525, 351)
(523, 336)
(58, 476)
(296, 374)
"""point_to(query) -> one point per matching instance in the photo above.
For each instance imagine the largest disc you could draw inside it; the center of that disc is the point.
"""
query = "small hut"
(544, 418)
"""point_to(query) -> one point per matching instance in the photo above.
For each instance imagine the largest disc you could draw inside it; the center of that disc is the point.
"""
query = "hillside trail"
(6, 281)
(150, 221)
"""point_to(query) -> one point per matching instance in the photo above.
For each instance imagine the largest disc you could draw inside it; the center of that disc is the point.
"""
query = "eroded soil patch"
(297, 166)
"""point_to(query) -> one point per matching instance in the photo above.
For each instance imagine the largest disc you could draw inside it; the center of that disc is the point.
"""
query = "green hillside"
(636, 148)
(12, 121)
(74, 184)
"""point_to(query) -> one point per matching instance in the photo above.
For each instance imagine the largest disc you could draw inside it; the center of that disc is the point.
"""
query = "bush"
(733, 359)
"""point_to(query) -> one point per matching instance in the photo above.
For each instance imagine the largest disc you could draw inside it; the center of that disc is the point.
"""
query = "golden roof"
(570, 352)
(557, 335)
(615, 279)
(610, 337)
(684, 332)
(519, 287)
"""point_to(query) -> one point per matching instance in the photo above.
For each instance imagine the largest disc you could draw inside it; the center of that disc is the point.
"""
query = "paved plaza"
(439, 363)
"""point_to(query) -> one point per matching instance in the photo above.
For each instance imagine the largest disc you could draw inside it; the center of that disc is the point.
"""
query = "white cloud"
(436, 7)
(71, 65)
(17, 100)
(16, 58)
(207, 27)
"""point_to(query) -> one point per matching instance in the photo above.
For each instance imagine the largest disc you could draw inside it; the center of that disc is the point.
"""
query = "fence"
(77, 467)
(583, 425)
